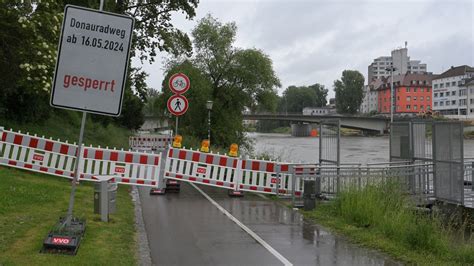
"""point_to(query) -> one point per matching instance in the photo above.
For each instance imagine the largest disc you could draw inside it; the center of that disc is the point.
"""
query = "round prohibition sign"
(177, 104)
(179, 83)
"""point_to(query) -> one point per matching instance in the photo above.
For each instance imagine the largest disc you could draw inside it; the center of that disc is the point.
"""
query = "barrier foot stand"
(64, 239)
(157, 191)
(173, 185)
(235, 193)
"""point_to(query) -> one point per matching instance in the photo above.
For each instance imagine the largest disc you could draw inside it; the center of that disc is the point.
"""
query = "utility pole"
(392, 93)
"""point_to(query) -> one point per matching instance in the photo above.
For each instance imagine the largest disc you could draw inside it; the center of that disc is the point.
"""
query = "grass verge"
(66, 125)
(30, 205)
(379, 216)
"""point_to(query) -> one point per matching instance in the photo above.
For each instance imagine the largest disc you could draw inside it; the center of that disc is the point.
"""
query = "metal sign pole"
(78, 158)
(76, 171)
(176, 131)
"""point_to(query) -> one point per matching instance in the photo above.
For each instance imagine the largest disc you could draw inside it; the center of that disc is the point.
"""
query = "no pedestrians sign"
(92, 61)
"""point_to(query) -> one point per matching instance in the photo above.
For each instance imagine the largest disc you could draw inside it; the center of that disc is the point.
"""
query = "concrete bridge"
(367, 124)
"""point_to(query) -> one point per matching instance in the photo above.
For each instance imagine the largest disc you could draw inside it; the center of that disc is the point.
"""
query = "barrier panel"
(150, 142)
(37, 153)
(48, 156)
(202, 168)
(265, 177)
(127, 167)
(228, 172)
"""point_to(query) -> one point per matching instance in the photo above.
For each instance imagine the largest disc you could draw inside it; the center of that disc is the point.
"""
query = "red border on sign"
(170, 83)
(186, 105)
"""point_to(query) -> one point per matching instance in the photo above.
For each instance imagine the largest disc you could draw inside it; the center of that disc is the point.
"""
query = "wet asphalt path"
(186, 229)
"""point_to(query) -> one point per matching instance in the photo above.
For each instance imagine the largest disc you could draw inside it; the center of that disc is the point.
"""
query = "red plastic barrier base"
(235, 193)
(157, 191)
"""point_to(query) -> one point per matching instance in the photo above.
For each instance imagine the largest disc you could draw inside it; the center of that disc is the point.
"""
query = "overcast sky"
(314, 41)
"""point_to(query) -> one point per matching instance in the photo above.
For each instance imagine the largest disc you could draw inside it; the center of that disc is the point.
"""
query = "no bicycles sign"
(179, 83)
(92, 61)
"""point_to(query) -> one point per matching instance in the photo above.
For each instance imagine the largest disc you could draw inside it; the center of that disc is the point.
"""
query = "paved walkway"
(191, 228)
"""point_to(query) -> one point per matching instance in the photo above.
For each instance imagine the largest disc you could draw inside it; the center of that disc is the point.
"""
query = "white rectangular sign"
(92, 63)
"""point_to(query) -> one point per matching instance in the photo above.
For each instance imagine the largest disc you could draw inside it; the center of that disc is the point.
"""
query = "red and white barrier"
(37, 154)
(228, 172)
(202, 168)
(140, 168)
(58, 158)
(127, 167)
(265, 177)
(150, 142)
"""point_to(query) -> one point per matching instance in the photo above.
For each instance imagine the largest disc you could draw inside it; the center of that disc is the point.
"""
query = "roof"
(456, 71)
(408, 79)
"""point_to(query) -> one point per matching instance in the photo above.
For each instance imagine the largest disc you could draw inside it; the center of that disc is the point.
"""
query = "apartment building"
(451, 96)
(400, 60)
(412, 93)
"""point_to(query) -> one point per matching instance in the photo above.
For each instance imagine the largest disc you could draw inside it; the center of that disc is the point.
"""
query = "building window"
(462, 102)
(460, 82)
(447, 84)
(408, 98)
(435, 103)
(453, 102)
(415, 107)
(414, 89)
(453, 83)
(414, 98)
(422, 107)
(408, 107)
(408, 89)
(441, 94)
(441, 85)
(441, 103)
(422, 98)
(427, 89)
(436, 86)
(447, 93)
(462, 92)
(428, 107)
(447, 103)
(453, 93)
(422, 89)
(471, 101)
(427, 98)
(436, 95)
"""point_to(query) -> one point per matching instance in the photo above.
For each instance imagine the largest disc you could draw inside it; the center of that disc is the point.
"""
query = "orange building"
(412, 93)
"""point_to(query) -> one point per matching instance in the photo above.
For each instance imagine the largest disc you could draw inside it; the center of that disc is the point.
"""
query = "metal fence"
(449, 161)
(330, 148)
(439, 144)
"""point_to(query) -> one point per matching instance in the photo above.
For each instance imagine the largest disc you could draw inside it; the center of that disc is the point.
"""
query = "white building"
(451, 96)
(469, 85)
(326, 110)
(398, 59)
(370, 100)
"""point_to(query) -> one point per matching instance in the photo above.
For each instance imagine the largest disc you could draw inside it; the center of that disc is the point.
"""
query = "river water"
(354, 149)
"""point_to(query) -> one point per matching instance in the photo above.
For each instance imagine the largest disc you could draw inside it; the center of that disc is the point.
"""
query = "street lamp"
(392, 93)
(209, 108)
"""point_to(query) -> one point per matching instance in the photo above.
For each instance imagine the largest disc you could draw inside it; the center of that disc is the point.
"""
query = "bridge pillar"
(300, 130)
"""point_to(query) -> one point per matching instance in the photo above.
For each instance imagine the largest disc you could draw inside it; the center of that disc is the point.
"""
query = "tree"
(296, 98)
(349, 92)
(237, 79)
(29, 31)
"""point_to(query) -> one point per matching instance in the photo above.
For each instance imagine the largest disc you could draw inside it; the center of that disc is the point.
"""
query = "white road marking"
(245, 228)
